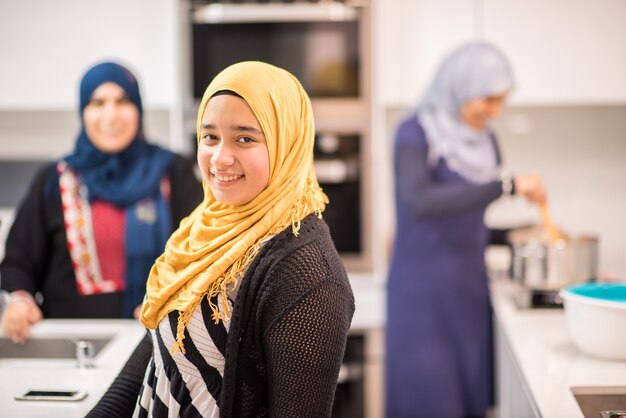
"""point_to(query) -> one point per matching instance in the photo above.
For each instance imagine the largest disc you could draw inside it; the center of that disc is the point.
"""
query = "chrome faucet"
(84, 354)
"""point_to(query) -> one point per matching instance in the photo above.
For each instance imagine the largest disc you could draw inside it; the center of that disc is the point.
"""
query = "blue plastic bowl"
(608, 292)
(595, 312)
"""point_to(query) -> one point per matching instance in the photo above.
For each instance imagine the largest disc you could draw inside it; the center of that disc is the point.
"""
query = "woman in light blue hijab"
(447, 169)
(472, 75)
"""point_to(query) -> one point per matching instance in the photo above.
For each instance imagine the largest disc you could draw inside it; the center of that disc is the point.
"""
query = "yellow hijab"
(206, 255)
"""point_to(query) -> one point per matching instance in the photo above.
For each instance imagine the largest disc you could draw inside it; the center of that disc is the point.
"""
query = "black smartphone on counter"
(52, 395)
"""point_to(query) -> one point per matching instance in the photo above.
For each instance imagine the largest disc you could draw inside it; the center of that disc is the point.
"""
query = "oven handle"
(275, 12)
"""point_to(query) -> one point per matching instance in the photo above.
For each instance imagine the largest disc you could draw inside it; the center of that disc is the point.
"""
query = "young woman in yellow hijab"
(249, 307)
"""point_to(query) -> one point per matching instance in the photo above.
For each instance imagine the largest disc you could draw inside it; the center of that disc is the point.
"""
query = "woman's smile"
(226, 180)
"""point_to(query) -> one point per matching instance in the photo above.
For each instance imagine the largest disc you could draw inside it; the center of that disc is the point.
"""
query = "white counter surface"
(19, 375)
(546, 357)
(370, 302)
(539, 340)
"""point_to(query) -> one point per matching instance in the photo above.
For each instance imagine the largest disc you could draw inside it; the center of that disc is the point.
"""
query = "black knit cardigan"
(286, 339)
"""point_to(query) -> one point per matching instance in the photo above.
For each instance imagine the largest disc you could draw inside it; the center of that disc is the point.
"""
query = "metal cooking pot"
(539, 263)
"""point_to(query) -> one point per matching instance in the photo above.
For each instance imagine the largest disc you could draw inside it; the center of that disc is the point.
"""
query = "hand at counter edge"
(20, 315)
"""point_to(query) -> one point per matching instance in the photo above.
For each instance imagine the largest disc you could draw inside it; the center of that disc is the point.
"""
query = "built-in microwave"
(317, 42)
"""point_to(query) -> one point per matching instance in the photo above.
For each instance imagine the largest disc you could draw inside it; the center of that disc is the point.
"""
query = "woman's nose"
(496, 107)
(222, 156)
(495, 110)
(110, 110)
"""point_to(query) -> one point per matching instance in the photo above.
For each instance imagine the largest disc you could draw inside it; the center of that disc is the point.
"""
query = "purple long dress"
(438, 335)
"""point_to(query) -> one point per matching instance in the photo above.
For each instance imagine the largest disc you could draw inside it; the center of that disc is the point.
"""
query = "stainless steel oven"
(326, 45)
(339, 173)
(320, 50)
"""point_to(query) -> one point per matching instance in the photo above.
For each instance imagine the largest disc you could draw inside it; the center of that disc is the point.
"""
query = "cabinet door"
(46, 48)
(562, 51)
(412, 38)
(512, 399)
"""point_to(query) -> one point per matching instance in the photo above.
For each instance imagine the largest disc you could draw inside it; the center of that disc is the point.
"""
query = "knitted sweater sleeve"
(121, 397)
(28, 245)
(305, 340)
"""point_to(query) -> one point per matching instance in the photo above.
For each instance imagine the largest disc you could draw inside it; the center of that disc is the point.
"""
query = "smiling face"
(111, 120)
(232, 151)
(479, 112)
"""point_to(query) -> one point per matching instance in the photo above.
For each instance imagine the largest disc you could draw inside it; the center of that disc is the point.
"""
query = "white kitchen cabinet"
(46, 47)
(411, 37)
(513, 395)
(562, 51)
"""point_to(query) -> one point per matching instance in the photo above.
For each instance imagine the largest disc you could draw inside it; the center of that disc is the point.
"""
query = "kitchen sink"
(593, 400)
(49, 348)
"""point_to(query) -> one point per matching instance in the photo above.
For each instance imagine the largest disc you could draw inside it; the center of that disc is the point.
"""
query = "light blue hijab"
(473, 71)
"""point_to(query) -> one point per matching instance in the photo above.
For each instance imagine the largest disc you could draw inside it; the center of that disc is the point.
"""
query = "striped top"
(285, 343)
(186, 384)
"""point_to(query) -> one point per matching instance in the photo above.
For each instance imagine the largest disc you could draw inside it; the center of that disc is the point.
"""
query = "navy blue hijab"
(131, 175)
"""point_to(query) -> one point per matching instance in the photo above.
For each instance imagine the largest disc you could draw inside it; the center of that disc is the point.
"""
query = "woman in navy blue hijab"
(93, 223)
(447, 169)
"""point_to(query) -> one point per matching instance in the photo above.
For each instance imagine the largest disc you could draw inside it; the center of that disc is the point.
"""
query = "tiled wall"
(580, 151)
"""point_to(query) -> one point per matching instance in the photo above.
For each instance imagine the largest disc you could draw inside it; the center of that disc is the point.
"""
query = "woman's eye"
(208, 137)
(246, 139)
(96, 102)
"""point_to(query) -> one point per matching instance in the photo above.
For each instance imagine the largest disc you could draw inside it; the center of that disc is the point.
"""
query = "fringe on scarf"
(313, 202)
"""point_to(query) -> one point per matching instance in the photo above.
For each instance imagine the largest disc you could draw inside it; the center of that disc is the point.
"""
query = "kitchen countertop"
(63, 374)
(370, 302)
(546, 357)
(540, 343)
(19, 375)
